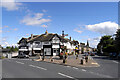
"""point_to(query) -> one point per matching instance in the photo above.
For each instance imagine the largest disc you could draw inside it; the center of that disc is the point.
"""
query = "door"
(56, 51)
(47, 51)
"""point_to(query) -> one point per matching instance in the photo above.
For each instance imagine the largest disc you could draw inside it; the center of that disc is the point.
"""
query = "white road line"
(19, 62)
(115, 62)
(66, 76)
(38, 67)
(84, 70)
(106, 76)
(75, 68)
(67, 66)
(32, 65)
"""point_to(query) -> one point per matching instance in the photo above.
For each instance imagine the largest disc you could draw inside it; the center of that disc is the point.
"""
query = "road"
(25, 68)
(108, 67)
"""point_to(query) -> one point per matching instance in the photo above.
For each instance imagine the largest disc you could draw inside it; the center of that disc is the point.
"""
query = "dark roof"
(33, 37)
(22, 40)
(47, 37)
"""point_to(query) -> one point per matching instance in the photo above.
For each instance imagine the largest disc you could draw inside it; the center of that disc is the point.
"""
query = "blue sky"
(81, 20)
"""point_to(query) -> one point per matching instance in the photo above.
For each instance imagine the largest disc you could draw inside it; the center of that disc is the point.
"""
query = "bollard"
(82, 61)
(52, 60)
(63, 60)
(86, 58)
(76, 56)
(42, 59)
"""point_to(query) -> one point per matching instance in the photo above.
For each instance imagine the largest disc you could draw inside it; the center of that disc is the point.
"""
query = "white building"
(50, 44)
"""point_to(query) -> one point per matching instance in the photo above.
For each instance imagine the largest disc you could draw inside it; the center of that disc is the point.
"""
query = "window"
(55, 40)
(47, 51)
(37, 43)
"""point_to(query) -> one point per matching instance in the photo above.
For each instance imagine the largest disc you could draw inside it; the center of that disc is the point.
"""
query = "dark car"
(23, 56)
(92, 54)
(114, 54)
(118, 57)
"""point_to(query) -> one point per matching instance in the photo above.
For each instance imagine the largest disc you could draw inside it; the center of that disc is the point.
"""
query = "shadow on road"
(104, 57)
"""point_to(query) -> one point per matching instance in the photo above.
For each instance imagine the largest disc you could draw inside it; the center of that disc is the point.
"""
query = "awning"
(36, 48)
(23, 49)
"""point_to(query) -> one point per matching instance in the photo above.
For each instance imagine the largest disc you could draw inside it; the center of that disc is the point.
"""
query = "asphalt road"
(107, 67)
(25, 68)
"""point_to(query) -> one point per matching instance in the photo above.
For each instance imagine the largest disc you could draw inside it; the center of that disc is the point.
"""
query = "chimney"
(31, 36)
(46, 32)
(70, 38)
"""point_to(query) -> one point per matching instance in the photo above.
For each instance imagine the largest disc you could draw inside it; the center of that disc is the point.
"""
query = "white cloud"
(44, 10)
(5, 44)
(107, 28)
(10, 5)
(37, 19)
(94, 41)
(78, 31)
(44, 25)
(0, 31)
(49, 16)
(27, 34)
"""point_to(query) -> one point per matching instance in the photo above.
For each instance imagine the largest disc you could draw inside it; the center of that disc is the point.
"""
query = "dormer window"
(55, 40)
(37, 43)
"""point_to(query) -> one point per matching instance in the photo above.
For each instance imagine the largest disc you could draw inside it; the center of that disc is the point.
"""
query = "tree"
(12, 49)
(117, 41)
(106, 45)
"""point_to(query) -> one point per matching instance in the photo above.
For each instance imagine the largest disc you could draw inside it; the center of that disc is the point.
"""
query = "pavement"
(26, 68)
(72, 61)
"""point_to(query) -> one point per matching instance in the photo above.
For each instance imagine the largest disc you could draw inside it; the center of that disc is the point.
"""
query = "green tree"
(12, 49)
(117, 41)
(106, 45)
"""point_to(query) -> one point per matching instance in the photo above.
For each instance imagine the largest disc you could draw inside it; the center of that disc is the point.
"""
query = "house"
(49, 44)
(85, 48)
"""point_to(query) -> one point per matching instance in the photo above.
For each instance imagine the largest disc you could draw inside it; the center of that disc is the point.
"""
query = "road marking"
(67, 66)
(67, 76)
(19, 62)
(38, 67)
(115, 62)
(84, 70)
(32, 65)
(75, 68)
(107, 76)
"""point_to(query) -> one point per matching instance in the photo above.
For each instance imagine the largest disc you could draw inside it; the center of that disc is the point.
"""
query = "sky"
(81, 20)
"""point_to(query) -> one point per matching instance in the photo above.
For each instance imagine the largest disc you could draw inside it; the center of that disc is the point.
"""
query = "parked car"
(118, 57)
(113, 55)
(23, 56)
(92, 54)
(110, 54)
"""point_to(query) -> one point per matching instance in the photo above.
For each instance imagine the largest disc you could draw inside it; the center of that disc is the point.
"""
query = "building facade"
(49, 44)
